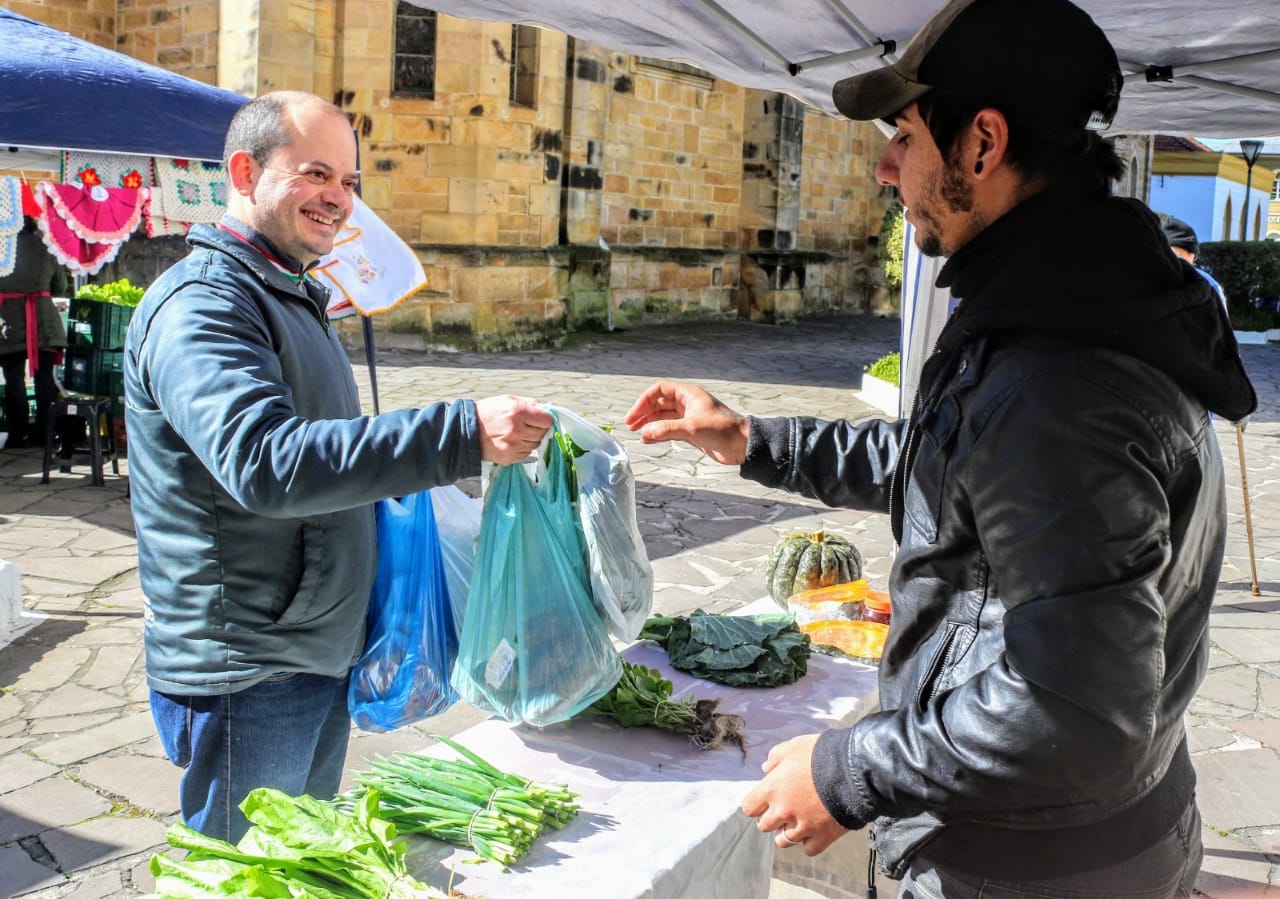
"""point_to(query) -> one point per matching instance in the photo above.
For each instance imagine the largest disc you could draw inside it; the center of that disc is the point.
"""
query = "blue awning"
(63, 93)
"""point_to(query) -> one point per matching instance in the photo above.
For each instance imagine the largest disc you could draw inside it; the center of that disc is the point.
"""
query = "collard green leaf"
(765, 650)
(731, 659)
(728, 631)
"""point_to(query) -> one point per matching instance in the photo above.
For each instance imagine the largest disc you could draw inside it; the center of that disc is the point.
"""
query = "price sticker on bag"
(499, 665)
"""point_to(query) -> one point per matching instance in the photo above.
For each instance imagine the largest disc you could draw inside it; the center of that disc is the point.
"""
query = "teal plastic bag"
(411, 642)
(533, 647)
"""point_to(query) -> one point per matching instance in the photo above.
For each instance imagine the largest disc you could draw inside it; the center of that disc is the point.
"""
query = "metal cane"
(1248, 518)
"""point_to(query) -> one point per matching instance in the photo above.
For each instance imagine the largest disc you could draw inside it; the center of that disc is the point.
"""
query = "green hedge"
(887, 368)
(1249, 272)
(890, 247)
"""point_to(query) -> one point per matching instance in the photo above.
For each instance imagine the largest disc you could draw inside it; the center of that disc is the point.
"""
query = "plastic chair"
(95, 411)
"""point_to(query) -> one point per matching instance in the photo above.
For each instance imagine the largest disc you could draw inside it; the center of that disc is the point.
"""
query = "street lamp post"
(1250, 150)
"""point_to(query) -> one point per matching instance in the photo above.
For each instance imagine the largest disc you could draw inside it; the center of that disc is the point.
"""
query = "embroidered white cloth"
(107, 169)
(188, 190)
(370, 268)
(10, 223)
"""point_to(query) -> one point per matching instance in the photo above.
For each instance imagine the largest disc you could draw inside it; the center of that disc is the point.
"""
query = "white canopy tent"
(1201, 67)
(1198, 67)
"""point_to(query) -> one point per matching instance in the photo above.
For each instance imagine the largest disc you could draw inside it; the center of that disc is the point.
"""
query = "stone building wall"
(90, 20)
(182, 38)
(630, 192)
(841, 206)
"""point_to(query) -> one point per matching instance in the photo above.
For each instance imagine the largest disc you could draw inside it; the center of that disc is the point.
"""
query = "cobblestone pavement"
(85, 790)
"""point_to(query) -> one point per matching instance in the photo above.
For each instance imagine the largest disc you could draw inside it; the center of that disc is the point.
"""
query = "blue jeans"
(289, 732)
(1166, 870)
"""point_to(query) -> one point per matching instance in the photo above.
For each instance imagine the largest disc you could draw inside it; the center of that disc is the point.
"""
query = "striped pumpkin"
(805, 561)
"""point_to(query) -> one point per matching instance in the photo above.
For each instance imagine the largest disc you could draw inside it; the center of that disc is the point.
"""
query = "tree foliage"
(1249, 272)
(890, 251)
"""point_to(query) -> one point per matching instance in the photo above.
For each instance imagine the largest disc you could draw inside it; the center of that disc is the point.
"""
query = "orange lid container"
(877, 607)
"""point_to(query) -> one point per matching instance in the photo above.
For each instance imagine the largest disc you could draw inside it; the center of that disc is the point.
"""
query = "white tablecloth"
(658, 817)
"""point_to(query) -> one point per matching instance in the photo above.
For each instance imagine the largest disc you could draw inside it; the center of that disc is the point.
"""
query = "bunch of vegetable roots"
(642, 696)
(465, 801)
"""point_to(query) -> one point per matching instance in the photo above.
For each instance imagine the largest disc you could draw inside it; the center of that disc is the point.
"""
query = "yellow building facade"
(547, 184)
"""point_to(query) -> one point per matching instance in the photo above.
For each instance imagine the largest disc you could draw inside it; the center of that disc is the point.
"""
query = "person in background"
(31, 335)
(1185, 245)
(1056, 495)
(253, 473)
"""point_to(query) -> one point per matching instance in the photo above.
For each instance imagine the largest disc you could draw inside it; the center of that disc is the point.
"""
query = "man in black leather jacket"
(1056, 494)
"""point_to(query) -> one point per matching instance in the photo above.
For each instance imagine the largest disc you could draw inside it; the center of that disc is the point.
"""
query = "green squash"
(806, 561)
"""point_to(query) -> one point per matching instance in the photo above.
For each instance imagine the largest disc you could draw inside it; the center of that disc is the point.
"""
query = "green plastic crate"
(99, 325)
(96, 373)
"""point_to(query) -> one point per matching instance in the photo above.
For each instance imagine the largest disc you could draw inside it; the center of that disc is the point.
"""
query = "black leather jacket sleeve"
(1050, 635)
(836, 462)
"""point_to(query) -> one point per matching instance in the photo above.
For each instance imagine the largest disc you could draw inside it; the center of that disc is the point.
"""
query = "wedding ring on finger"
(782, 832)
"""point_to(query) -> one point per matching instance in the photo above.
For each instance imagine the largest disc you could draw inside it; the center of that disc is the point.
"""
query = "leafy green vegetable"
(297, 847)
(121, 292)
(642, 697)
(766, 650)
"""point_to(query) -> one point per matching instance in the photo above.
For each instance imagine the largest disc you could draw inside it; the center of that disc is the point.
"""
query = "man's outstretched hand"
(511, 427)
(671, 410)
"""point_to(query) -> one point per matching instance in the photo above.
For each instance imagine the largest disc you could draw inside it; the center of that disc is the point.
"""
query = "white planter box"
(1251, 337)
(881, 394)
(10, 600)
(1273, 336)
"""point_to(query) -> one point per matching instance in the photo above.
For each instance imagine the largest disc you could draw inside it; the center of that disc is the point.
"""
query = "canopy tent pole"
(1252, 93)
(723, 15)
(1186, 73)
(883, 48)
(875, 46)
(370, 353)
(366, 321)
(1164, 73)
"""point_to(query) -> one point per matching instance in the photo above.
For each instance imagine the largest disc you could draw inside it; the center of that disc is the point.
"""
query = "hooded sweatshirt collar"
(1100, 272)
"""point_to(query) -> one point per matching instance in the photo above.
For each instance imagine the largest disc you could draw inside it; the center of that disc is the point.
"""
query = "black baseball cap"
(1180, 234)
(1044, 59)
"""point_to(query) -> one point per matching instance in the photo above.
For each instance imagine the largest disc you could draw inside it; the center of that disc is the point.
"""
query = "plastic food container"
(861, 640)
(853, 601)
(876, 607)
(839, 602)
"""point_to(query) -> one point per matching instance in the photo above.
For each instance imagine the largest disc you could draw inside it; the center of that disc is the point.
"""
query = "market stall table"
(658, 817)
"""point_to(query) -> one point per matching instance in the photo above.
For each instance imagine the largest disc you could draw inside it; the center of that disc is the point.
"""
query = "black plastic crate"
(102, 326)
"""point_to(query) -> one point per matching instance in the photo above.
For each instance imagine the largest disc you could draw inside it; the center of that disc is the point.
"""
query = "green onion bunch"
(466, 801)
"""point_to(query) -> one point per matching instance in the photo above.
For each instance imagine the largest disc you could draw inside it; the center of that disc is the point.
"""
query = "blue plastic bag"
(533, 647)
(411, 643)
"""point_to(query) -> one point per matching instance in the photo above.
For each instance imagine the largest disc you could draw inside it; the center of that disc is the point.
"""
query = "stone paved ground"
(85, 790)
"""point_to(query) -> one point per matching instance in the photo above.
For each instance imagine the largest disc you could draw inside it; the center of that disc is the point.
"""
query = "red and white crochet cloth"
(84, 227)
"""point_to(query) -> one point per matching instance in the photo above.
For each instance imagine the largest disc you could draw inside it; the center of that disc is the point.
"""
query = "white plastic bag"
(458, 523)
(621, 576)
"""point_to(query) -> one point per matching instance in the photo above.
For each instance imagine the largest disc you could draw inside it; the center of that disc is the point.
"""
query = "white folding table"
(658, 817)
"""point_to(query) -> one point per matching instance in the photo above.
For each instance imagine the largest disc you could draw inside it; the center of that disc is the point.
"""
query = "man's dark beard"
(931, 245)
(957, 194)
